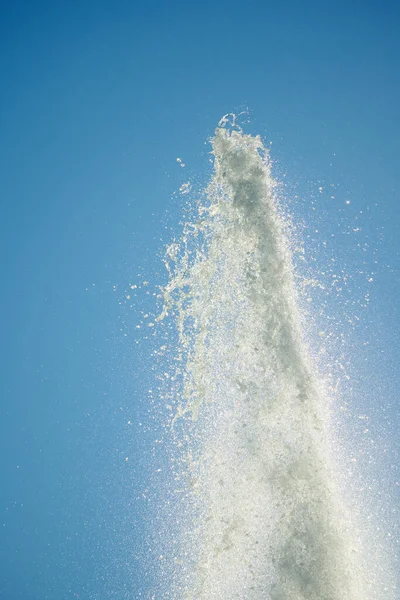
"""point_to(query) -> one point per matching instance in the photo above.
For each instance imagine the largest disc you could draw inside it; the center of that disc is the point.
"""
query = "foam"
(268, 520)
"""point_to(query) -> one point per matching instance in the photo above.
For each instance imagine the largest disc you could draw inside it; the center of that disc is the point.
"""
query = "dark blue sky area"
(97, 101)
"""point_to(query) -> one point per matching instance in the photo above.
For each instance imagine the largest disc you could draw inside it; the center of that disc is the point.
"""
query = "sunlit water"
(262, 514)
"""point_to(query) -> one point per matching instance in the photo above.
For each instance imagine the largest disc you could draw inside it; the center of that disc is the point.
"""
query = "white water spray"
(266, 520)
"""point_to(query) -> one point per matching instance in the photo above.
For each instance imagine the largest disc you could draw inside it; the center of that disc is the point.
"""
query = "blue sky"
(98, 100)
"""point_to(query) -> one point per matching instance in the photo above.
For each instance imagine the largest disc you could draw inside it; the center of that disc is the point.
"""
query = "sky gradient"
(98, 100)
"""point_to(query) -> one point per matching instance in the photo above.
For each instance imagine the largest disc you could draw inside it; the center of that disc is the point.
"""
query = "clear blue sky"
(97, 101)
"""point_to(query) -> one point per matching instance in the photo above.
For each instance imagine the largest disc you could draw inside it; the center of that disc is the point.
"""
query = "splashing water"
(264, 518)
